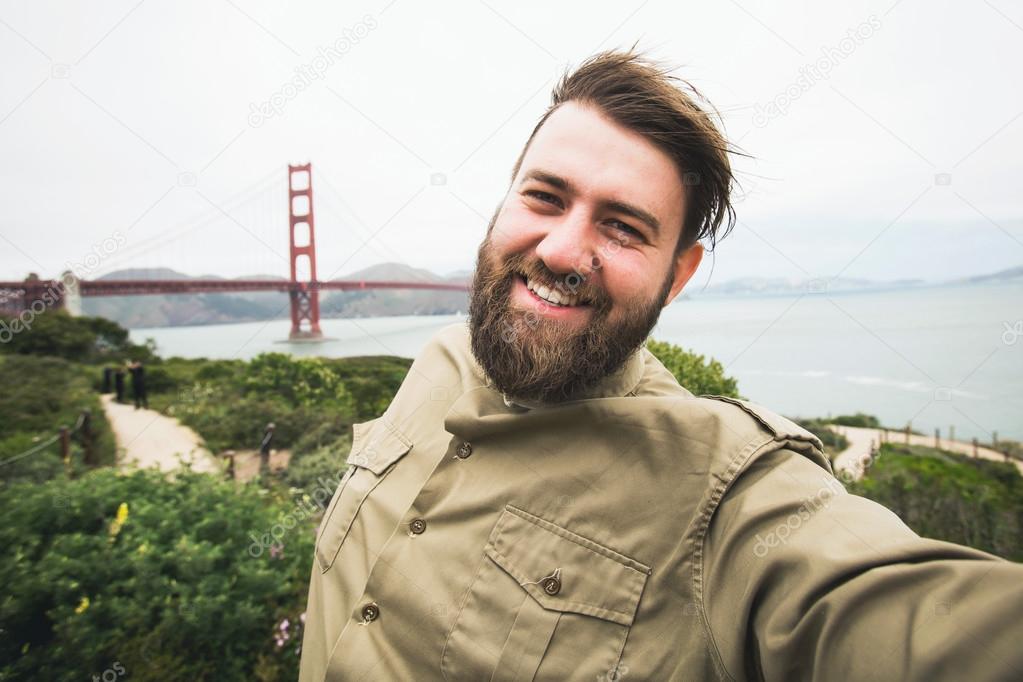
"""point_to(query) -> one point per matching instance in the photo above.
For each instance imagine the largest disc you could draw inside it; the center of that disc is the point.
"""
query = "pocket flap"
(377, 445)
(594, 580)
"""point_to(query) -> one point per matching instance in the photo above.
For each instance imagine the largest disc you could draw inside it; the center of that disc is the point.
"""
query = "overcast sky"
(886, 136)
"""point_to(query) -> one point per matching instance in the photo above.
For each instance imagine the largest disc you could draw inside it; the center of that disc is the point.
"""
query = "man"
(264, 449)
(543, 500)
(138, 384)
(119, 384)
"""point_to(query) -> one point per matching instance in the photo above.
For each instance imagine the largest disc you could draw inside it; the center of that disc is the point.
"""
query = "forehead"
(605, 160)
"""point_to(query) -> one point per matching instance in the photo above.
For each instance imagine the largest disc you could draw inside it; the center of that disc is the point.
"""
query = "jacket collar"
(481, 409)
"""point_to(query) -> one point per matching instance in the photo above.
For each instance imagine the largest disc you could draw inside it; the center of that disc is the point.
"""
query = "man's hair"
(644, 97)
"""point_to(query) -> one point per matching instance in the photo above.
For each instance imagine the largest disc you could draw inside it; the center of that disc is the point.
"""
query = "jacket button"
(551, 586)
(464, 450)
(370, 612)
(417, 526)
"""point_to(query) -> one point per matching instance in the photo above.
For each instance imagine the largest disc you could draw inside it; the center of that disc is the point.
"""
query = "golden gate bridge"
(302, 287)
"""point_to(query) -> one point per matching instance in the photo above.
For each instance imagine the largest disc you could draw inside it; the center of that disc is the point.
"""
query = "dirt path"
(146, 438)
(860, 439)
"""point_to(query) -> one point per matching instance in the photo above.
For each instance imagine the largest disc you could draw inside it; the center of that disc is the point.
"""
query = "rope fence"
(82, 428)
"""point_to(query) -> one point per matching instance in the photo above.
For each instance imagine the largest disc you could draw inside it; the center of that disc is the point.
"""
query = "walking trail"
(146, 438)
(853, 457)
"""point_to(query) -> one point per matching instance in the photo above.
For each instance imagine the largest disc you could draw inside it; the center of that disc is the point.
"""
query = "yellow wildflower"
(118, 522)
(82, 605)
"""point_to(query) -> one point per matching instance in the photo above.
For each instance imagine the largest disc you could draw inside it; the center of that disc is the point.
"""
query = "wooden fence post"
(65, 448)
(88, 444)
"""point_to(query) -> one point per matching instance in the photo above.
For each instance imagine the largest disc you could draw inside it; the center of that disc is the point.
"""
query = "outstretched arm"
(805, 581)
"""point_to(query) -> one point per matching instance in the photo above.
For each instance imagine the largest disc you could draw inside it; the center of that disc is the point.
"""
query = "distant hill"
(781, 285)
(184, 309)
(395, 302)
(1000, 276)
(200, 309)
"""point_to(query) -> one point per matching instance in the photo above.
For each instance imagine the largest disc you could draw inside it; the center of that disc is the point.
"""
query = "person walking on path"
(264, 449)
(138, 384)
(119, 384)
(108, 375)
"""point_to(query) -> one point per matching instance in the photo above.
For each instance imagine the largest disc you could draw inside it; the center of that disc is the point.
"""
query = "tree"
(83, 339)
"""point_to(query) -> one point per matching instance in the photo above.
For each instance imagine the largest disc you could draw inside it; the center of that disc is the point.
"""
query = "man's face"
(579, 258)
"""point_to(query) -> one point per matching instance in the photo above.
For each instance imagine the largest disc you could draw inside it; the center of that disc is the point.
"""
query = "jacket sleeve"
(803, 581)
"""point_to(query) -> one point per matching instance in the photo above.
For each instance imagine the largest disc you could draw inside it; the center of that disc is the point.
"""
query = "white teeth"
(552, 295)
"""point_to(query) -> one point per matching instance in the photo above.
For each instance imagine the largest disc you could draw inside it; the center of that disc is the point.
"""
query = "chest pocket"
(376, 446)
(545, 603)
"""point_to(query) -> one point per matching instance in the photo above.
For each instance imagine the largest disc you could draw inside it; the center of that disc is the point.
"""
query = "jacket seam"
(725, 480)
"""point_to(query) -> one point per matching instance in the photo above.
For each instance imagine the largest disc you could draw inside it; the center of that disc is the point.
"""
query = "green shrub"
(949, 496)
(698, 375)
(194, 583)
(296, 381)
(312, 401)
(45, 393)
(315, 469)
(866, 421)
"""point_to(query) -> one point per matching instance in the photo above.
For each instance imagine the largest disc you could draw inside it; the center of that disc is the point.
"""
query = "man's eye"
(545, 197)
(625, 227)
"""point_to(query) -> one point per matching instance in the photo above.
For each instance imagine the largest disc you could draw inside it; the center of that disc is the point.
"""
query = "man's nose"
(568, 245)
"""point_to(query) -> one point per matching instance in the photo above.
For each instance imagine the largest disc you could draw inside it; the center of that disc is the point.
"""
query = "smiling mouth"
(553, 296)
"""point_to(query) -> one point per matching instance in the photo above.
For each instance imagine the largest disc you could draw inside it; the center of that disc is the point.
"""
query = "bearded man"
(542, 500)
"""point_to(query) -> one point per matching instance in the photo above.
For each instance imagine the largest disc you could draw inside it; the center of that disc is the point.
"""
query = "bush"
(192, 578)
(951, 497)
(312, 401)
(45, 394)
(699, 376)
(319, 468)
(866, 421)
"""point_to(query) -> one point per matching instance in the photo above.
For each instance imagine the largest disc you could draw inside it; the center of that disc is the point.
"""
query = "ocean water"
(938, 357)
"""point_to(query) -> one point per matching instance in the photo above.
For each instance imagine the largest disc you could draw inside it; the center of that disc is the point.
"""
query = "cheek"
(628, 278)
(515, 230)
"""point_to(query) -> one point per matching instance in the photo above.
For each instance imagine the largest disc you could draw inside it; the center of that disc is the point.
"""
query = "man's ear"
(685, 264)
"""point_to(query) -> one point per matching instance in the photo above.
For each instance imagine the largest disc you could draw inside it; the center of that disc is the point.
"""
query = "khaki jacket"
(639, 533)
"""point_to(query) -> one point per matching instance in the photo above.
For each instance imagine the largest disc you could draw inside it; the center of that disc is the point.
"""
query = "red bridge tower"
(305, 295)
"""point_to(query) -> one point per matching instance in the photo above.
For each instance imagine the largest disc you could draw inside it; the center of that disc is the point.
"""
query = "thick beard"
(533, 358)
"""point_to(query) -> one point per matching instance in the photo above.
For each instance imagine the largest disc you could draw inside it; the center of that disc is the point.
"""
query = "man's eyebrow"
(564, 185)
